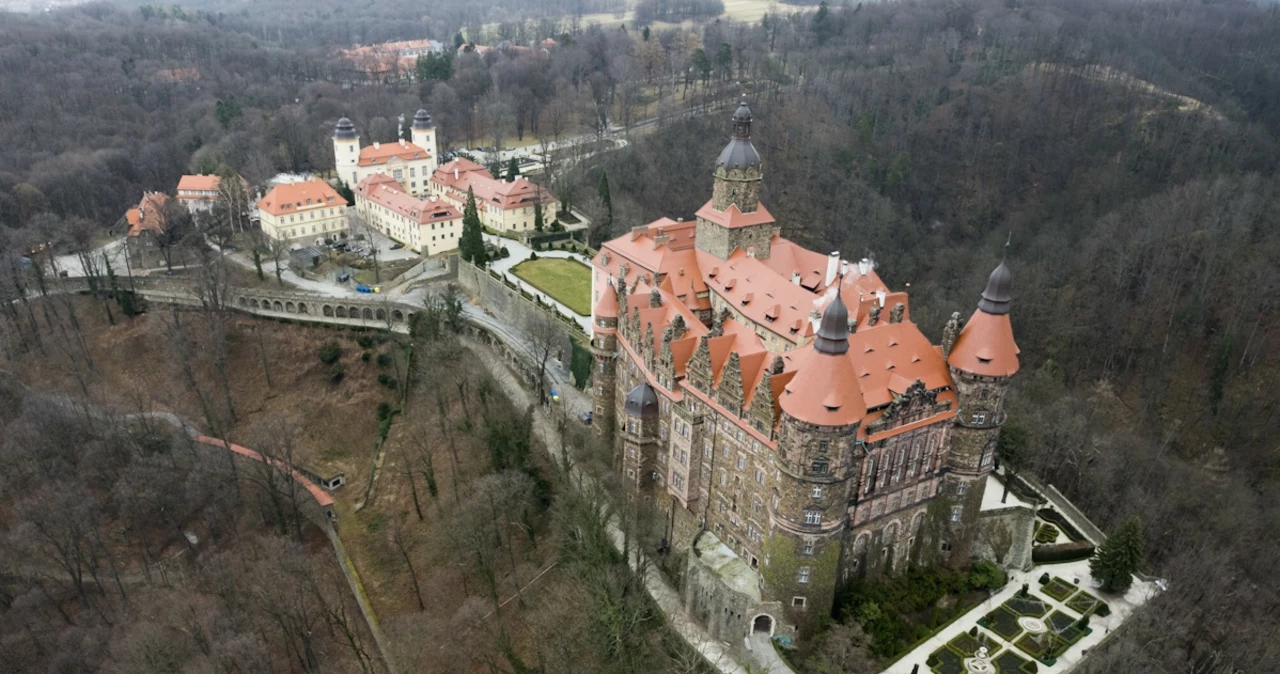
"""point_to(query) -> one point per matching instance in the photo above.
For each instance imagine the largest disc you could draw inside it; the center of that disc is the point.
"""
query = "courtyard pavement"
(1122, 606)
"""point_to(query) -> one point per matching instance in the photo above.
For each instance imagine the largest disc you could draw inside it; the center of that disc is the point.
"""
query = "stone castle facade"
(779, 408)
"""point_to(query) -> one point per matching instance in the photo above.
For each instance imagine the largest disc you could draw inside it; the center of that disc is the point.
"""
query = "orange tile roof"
(147, 215)
(734, 218)
(300, 196)
(755, 290)
(461, 175)
(383, 153)
(986, 346)
(198, 184)
(607, 307)
(384, 190)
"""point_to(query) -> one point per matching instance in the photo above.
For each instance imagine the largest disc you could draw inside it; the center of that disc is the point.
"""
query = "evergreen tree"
(538, 222)
(471, 246)
(606, 201)
(345, 192)
(513, 169)
(1119, 557)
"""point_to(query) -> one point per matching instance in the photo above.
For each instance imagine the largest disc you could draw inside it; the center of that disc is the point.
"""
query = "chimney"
(844, 267)
(833, 263)
(455, 173)
(864, 266)
(751, 252)
(880, 295)
(795, 277)
(403, 144)
(376, 145)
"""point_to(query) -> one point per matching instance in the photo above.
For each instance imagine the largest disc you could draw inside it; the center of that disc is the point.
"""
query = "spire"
(740, 153)
(833, 332)
(996, 297)
(742, 121)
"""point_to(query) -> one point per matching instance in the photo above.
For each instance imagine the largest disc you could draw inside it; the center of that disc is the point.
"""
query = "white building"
(303, 211)
(503, 205)
(198, 193)
(428, 225)
(409, 162)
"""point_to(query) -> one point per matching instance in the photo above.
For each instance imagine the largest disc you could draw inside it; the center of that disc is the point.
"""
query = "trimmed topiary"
(1044, 578)
(1102, 609)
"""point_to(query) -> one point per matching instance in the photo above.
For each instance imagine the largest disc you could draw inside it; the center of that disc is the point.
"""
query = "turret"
(818, 460)
(604, 351)
(639, 435)
(346, 151)
(424, 135)
(982, 361)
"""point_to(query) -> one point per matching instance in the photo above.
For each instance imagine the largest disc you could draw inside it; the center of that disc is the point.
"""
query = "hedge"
(1062, 552)
(1051, 515)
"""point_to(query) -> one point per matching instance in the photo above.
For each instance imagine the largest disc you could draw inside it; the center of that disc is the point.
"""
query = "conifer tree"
(606, 201)
(1119, 557)
(471, 245)
(538, 222)
(513, 169)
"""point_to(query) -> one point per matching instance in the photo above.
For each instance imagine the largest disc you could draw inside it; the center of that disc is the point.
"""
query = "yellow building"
(303, 211)
(409, 162)
(428, 225)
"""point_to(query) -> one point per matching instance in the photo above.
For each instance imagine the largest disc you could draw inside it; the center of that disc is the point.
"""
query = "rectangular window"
(812, 517)
(724, 478)
(979, 417)
(955, 514)
(962, 488)
(759, 476)
(808, 546)
(817, 491)
(802, 576)
(797, 602)
(742, 462)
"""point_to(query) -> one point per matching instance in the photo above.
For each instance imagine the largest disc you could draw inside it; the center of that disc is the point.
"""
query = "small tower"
(604, 351)
(818, 463)
(424, 135)
(982, 361)
(346, 152)
(734, 218)
(639, 440)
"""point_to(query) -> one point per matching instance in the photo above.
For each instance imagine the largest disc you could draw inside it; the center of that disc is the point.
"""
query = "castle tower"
(818, 461)
(639, 439)
(604, 351)
(424, 136)
(734, 218)
(982, 361)
(346, 152)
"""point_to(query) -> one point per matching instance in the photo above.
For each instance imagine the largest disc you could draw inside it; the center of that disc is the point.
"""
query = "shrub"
(504, 252)
(384, 428)
(364, 356)
(383, 411)
(1044, 578)
(532, 255)
(365, 341)
(1062, 552)
(1083, 623)
(973, 631)
(330, 353)
(1032, 667)
(986, 575)
(387, 381)
(1102, 610)
(932, 661)
(337, 373)
(1026, 589)
(384, 359)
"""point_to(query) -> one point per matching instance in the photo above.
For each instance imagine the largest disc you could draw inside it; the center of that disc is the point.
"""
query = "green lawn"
(568, 281)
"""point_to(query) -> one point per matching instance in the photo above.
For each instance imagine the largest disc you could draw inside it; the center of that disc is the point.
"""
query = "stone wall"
(1005, 536)
(513, 307)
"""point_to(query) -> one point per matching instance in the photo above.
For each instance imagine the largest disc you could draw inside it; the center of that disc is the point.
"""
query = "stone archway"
(762, 624)
(290, 307)
(397, 315)
(302, 307)
(253, 303)
(341, 312)
(277, 306)
(367, 314)
(327, 311)
(353, 312)
(381, 314)
(242, 301)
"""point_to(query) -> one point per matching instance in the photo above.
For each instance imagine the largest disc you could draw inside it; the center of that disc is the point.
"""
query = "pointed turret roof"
(345, 130)
(986, 346)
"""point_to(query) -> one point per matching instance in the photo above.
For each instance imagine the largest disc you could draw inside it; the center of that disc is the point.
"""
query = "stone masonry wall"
(515, 309)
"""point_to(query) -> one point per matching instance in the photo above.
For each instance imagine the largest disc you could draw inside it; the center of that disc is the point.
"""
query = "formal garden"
(565, 280)
(1024, 633)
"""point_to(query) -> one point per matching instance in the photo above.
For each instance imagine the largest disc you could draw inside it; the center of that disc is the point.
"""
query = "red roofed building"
(408, 162)
(779, 406)
(503, 205)
(148, 215)
(303, 211)
(427, 225)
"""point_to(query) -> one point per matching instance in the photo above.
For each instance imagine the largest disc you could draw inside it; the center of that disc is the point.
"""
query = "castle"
(779, 409)
(410, 162)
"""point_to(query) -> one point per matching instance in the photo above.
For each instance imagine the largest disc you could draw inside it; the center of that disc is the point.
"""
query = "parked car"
(343, 277)
(397, 246)
(362, 288)
(585, 418)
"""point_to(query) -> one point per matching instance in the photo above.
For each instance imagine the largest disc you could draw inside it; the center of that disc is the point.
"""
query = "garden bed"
(966, 644)
(947, 662)
(1058, 589)
(1009, 662)
(1083, 603)
(1030, 605)
(1002, 621)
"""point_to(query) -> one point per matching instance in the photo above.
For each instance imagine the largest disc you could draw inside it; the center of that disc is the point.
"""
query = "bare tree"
(546, 341)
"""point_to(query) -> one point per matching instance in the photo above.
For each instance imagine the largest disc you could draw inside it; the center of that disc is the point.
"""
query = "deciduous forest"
(1122, 155)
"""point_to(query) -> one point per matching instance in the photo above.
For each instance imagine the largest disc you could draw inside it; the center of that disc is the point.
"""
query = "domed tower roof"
(986, 346)
(833, 332)
(995, 299)
(740, 153)
(642, 401)
(345, 130)
(422, 120)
